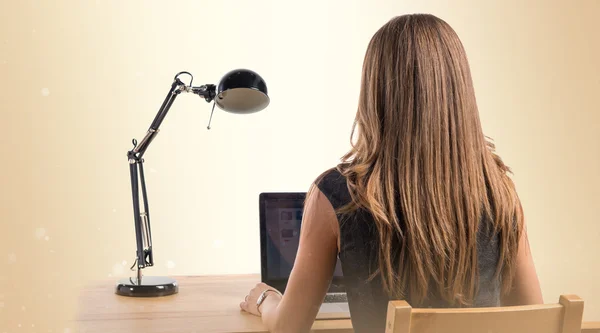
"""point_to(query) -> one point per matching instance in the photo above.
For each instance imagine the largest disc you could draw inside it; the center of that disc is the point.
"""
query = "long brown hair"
(422, 167)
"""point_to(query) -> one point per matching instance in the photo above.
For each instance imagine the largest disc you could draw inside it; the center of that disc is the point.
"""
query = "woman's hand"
(249, 303)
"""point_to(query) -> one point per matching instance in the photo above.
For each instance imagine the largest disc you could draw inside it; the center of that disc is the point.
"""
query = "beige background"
(81, 79)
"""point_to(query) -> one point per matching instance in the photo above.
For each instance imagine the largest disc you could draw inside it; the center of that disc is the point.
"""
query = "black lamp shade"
(242, 91)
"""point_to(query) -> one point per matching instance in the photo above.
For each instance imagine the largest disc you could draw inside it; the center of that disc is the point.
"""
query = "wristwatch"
(262, 298)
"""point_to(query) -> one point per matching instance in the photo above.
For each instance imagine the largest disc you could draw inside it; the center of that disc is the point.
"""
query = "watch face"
(263, 295)
(261, 298)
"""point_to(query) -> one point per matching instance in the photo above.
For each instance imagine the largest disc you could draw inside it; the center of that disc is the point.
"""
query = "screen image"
(283, 223)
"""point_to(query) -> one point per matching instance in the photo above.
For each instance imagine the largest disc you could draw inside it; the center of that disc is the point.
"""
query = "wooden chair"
(563, 317)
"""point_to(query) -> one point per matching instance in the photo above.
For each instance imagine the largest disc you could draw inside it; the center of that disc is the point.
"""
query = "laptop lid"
(280, 223)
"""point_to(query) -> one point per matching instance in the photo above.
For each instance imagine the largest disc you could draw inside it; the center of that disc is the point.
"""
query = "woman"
(421, 208)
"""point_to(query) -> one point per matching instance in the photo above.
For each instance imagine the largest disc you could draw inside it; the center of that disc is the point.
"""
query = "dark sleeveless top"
(358, 255)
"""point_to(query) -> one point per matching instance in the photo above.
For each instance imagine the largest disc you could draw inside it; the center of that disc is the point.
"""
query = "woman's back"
(359, 246)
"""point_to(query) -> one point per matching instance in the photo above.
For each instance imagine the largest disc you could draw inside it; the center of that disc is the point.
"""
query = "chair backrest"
(563, 317)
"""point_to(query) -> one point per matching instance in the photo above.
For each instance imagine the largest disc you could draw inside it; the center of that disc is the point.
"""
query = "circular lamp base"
(149, 286)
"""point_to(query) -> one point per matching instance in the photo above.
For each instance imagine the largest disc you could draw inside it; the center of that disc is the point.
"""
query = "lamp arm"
(206, 91)
(144, 255)
(175, 90)
(141, 217)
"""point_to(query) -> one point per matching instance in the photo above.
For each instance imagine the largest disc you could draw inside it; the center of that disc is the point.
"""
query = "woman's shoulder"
(334, 186)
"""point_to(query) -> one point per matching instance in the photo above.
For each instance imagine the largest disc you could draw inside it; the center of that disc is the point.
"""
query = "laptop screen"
(281, 220)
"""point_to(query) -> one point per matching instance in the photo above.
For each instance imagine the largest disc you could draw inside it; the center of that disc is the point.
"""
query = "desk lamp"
(240, 91)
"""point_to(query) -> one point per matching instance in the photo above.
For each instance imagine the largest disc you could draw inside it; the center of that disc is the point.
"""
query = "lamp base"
(148, 286)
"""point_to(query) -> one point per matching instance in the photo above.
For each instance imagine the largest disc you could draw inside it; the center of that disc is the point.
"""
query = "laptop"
(280, 223)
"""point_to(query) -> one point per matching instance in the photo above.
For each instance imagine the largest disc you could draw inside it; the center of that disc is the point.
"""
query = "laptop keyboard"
(336, 298)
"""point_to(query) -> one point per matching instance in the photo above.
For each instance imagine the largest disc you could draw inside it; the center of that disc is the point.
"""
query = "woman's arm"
(526, 286)
(311, 274)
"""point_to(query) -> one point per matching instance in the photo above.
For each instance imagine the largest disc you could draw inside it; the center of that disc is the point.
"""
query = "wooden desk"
(204, 304)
